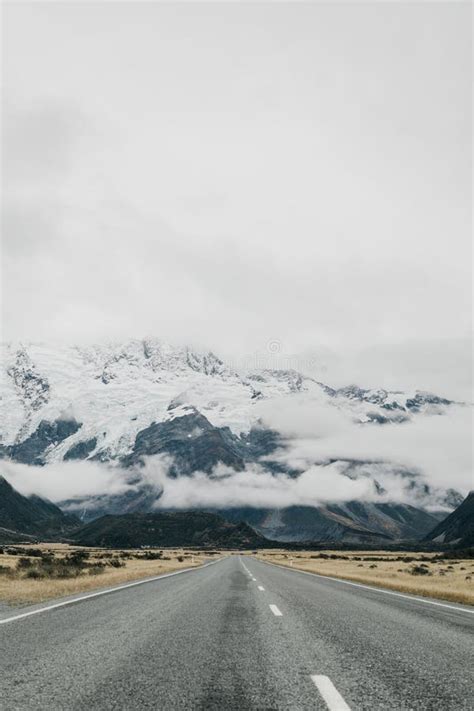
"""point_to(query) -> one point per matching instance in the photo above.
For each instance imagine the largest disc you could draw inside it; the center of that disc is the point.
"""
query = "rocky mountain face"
(183, 528)
(46, 436)
(120, 404)
(458, 528)
(193, 443)
(30, 517)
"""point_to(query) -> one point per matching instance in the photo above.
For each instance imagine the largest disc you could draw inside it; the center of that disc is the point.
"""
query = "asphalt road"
(239, 634)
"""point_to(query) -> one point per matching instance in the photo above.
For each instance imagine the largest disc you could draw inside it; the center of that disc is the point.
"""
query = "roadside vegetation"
(446, 576)
(33, 573)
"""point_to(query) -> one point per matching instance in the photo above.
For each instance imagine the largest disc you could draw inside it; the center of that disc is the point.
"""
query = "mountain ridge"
(457, 529)
(117, 404)
(189, 529)
(114, 391)
(31, 516)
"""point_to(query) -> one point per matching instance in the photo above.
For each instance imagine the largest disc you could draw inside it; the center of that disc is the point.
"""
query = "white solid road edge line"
(276, 611)
(330, 694)
(104, 592)
(369, 587)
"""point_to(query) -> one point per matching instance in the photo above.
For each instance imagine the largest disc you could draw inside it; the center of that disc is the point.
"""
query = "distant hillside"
(351, 522)
(7, 536)
(24, 517)
(189, 528)
(458, 527)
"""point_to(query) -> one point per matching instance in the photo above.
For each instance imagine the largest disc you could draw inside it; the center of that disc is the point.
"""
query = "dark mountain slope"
(458, 527)
(304, 524)
(191, 440)
(47, 434)
(398, 521)
(31, 515)
(8, 537)
(141, 499)
(350, 522)
(197, 445)
(190, 528)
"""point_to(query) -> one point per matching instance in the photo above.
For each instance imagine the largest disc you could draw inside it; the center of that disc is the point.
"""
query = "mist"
(273, 194)
(438, 447)
(65, 480)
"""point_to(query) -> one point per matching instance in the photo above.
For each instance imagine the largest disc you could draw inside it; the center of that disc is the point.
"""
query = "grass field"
(38, 572)
(416, 573)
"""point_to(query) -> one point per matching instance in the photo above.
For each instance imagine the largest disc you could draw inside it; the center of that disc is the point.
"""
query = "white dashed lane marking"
(276, 611)
(260, 588)
(373, 589)
(330, 694)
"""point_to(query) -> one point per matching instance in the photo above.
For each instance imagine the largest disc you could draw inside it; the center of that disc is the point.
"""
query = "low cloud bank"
(86, 485)
(65, 480)
(258, 488)
(438, 447)
(337, 482)
(224, 488)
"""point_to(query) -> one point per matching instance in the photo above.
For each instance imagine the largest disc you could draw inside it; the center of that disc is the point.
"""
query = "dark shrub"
(35, 573)
(23, 563)
(78, 556)
(35, 552)
(419, 570)
(116, 563)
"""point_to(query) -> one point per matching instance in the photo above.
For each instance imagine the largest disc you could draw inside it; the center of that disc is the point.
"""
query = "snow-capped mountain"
(120, 403)
(115, 391)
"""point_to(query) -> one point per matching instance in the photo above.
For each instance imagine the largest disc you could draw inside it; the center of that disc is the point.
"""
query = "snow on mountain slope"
(116, 390)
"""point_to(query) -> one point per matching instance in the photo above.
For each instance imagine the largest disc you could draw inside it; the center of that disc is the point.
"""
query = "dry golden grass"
(446, 582)
(18, 589)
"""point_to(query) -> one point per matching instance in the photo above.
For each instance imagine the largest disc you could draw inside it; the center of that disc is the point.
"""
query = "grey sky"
(238, 174)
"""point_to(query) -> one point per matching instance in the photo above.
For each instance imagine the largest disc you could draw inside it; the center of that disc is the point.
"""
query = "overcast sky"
(275, 178)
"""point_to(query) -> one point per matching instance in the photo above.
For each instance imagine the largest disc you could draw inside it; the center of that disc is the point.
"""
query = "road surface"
(239, 634)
